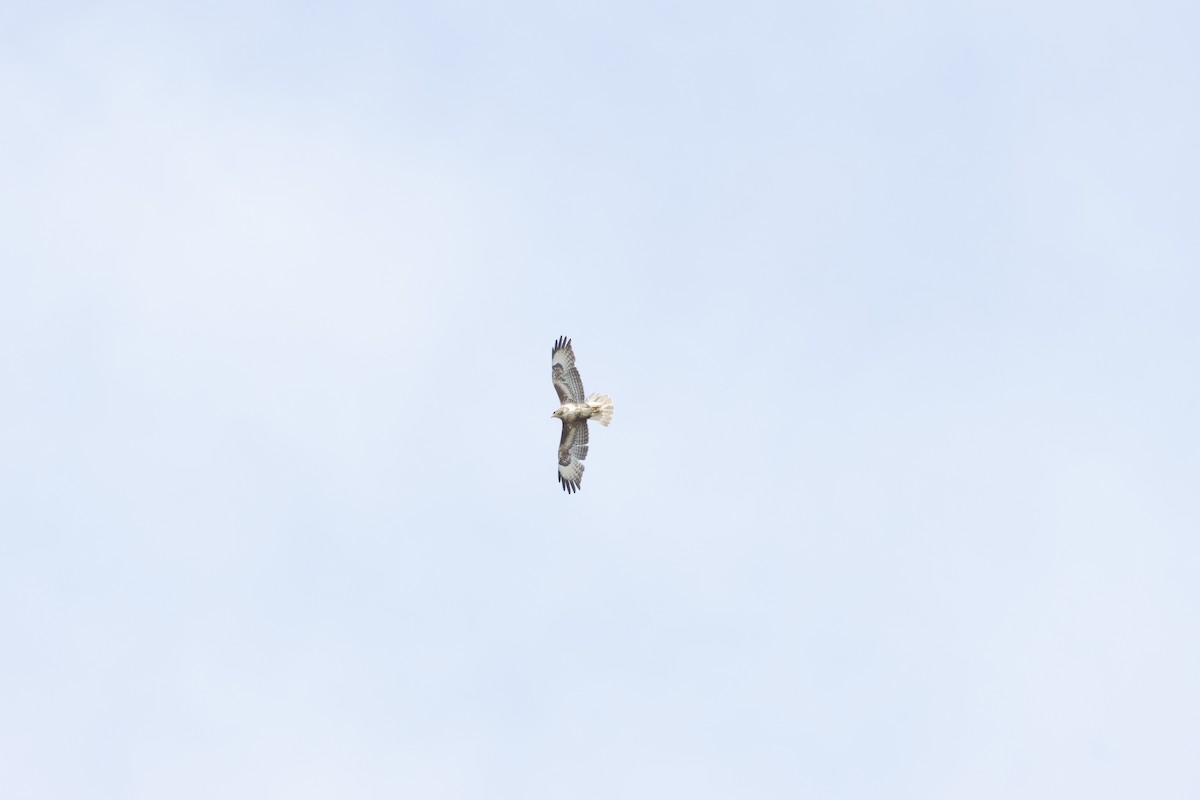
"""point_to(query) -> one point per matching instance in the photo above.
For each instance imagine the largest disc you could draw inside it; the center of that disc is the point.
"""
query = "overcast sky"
(899, 305)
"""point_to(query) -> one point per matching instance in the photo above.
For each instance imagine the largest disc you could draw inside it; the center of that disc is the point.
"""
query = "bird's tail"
(602, 408)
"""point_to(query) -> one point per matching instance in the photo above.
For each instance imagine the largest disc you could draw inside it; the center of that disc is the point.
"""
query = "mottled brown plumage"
(574, 411)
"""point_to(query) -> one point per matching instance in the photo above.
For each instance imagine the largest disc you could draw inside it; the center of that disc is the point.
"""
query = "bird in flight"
(574, 411)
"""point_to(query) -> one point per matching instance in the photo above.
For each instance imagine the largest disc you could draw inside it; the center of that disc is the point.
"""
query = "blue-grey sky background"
(898, 304)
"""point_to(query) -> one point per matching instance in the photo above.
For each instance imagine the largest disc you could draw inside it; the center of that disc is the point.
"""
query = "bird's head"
(557, 413)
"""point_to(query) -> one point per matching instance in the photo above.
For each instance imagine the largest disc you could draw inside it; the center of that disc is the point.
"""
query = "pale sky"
(898, 304)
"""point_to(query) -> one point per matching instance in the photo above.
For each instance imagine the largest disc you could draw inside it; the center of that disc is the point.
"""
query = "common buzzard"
(574, 412)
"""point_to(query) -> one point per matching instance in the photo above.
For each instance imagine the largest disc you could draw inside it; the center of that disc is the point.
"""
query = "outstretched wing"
(566, 378)
(572, 450)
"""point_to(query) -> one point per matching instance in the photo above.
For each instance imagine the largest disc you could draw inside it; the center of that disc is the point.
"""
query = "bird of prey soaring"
(574, 412)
